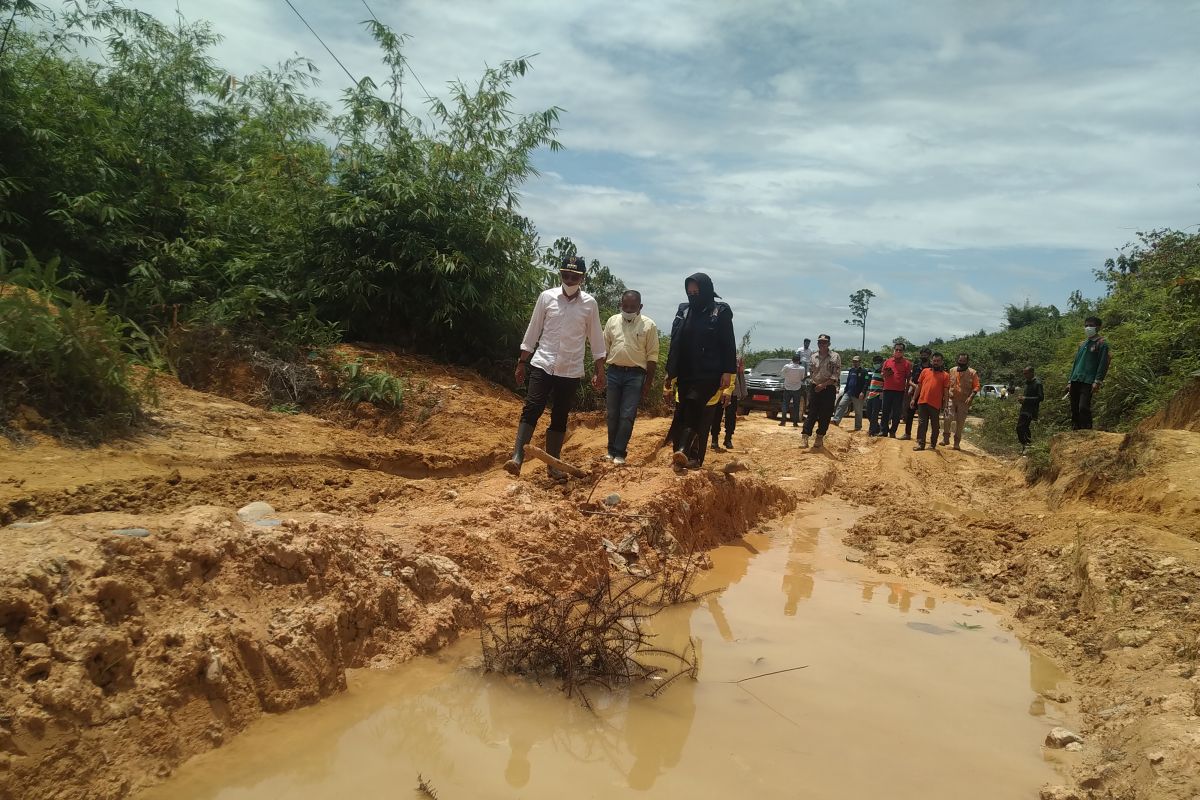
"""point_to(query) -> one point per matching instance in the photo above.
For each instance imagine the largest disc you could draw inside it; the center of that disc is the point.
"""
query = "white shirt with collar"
(558, 329)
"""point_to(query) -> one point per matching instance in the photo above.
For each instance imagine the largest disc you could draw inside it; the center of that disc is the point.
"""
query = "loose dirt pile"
(145, 620)
(1102, 566)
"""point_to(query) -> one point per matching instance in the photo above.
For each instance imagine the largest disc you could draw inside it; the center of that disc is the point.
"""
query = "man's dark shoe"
(920, 446)
(728, 444)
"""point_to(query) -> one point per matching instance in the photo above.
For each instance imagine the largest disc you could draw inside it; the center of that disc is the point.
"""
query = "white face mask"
(625, 315)
(1089, 331)
(570, 291)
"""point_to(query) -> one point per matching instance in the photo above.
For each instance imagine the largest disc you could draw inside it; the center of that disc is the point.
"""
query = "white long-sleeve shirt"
(558, 329)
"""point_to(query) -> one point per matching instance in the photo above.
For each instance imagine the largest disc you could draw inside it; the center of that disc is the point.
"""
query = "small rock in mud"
(1115, 711)
(267, 523)
(450, 494)
(855, 558)
(1157, 757)
(29, 524)
(1055, 695)
(1133, 637)
(255, 511)
(1059, 793)
(1074, 747)
(613, 499)
(1061, 737)
(138, 533)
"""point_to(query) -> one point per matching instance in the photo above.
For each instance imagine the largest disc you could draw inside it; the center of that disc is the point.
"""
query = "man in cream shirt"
(632, 343)
(563, 319)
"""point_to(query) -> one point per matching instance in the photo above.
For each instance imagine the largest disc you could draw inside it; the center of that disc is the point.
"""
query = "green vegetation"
(359, 383)
(206, 209)
(65, 358)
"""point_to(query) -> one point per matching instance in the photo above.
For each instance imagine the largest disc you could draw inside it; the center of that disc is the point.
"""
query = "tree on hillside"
(1020, 316)
(860, 304)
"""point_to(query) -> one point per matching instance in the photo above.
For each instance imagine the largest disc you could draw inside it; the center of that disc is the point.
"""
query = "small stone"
(613, 499)
(450, 494)
(1168, 562)
(1055, 695)
(386, 572)
(1115, 711)
(213, 671)
(1156, 757)
(139, 533)
(1061, 737)
(29, 524)
(1059, 793)
(37, 651)
(1133, 637)
(267, 523)
(408, 573)
(855, 558)
(255, 511)
(1074, 747)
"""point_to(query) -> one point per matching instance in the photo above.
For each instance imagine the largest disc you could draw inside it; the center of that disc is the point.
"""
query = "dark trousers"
(874, 407)
(793, 399)
(559, 392)
(695, 418)
(1081, 406)
(820, 409)
(909, 414)
(930, 415)
(893, 409)
(730, 417)
(1024, 434)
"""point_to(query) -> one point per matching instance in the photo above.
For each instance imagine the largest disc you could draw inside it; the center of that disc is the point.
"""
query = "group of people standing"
(703, 371)
(704, 376)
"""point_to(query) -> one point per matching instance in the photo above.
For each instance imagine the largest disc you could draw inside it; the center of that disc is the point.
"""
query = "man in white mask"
(563, 319)
(632, 343)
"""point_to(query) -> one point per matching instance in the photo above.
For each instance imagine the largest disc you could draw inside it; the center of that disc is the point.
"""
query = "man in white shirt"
(563, 319)
(632, 343)
(793, 375)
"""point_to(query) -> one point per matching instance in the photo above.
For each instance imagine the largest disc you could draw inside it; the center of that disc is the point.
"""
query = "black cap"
(577, 264)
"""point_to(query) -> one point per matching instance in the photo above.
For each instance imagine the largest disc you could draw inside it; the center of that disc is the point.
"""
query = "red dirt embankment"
(144, 622)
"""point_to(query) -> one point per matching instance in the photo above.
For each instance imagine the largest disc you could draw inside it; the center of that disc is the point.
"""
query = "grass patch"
(66, 359)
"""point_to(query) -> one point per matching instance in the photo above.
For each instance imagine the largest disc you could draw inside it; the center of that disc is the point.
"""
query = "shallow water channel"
(904, 694)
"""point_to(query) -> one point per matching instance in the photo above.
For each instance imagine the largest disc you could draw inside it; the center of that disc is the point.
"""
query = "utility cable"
(322, 41)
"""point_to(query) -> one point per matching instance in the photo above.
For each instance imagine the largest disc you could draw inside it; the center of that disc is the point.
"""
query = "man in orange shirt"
(964, 385)
(933, 391)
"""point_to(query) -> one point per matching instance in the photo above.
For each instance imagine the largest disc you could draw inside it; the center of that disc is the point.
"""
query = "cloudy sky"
(951, 156)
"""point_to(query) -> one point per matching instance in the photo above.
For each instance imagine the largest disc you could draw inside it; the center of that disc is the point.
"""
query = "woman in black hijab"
(702, 359)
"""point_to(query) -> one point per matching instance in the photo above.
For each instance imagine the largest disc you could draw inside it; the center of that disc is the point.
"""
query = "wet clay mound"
(1111, 594)
(1155, 472)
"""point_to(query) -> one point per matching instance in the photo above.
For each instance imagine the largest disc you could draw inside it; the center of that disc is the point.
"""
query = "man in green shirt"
(1087, 375)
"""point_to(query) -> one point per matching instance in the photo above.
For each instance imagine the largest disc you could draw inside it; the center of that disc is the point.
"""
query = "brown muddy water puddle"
(902, 696)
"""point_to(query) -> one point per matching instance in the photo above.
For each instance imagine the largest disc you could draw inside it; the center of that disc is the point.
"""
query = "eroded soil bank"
(126, 654)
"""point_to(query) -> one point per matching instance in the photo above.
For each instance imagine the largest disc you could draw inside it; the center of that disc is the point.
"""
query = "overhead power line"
(322, 41)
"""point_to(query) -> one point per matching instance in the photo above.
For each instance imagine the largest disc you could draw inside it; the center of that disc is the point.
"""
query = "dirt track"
(129, 654)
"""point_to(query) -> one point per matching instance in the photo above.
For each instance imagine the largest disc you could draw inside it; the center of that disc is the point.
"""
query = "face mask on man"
(629, 316)
(1089, 331)
(570, 290)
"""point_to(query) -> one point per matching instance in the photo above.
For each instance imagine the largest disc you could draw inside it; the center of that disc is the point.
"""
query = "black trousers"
(909, 414)
(1024, 434)
(695, 418)
(559, 392)
(820, 409)
(730, 417)
(1081, 406)
(893, 409)
(930, 416)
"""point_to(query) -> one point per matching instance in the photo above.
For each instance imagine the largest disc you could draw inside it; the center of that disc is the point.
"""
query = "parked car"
(995, 390)
(764, 387)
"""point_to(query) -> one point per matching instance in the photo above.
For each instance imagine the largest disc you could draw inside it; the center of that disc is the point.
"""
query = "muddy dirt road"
(147, 622)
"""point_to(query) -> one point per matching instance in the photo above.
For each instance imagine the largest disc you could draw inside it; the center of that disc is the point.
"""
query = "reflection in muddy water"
(880, 708)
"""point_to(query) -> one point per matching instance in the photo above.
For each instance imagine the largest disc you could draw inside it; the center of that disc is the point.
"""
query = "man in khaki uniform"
(964, 385)
(632, 343)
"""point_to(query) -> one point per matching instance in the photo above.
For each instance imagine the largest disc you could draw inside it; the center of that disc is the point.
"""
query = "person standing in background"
(911, 408)
(933, 390)
(1087, 374)
(1031, 402)
(793, 375)
(853, 394)
(964, 386)
(875, 395)
(896, 372)
(825, 374)
(735, 394)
